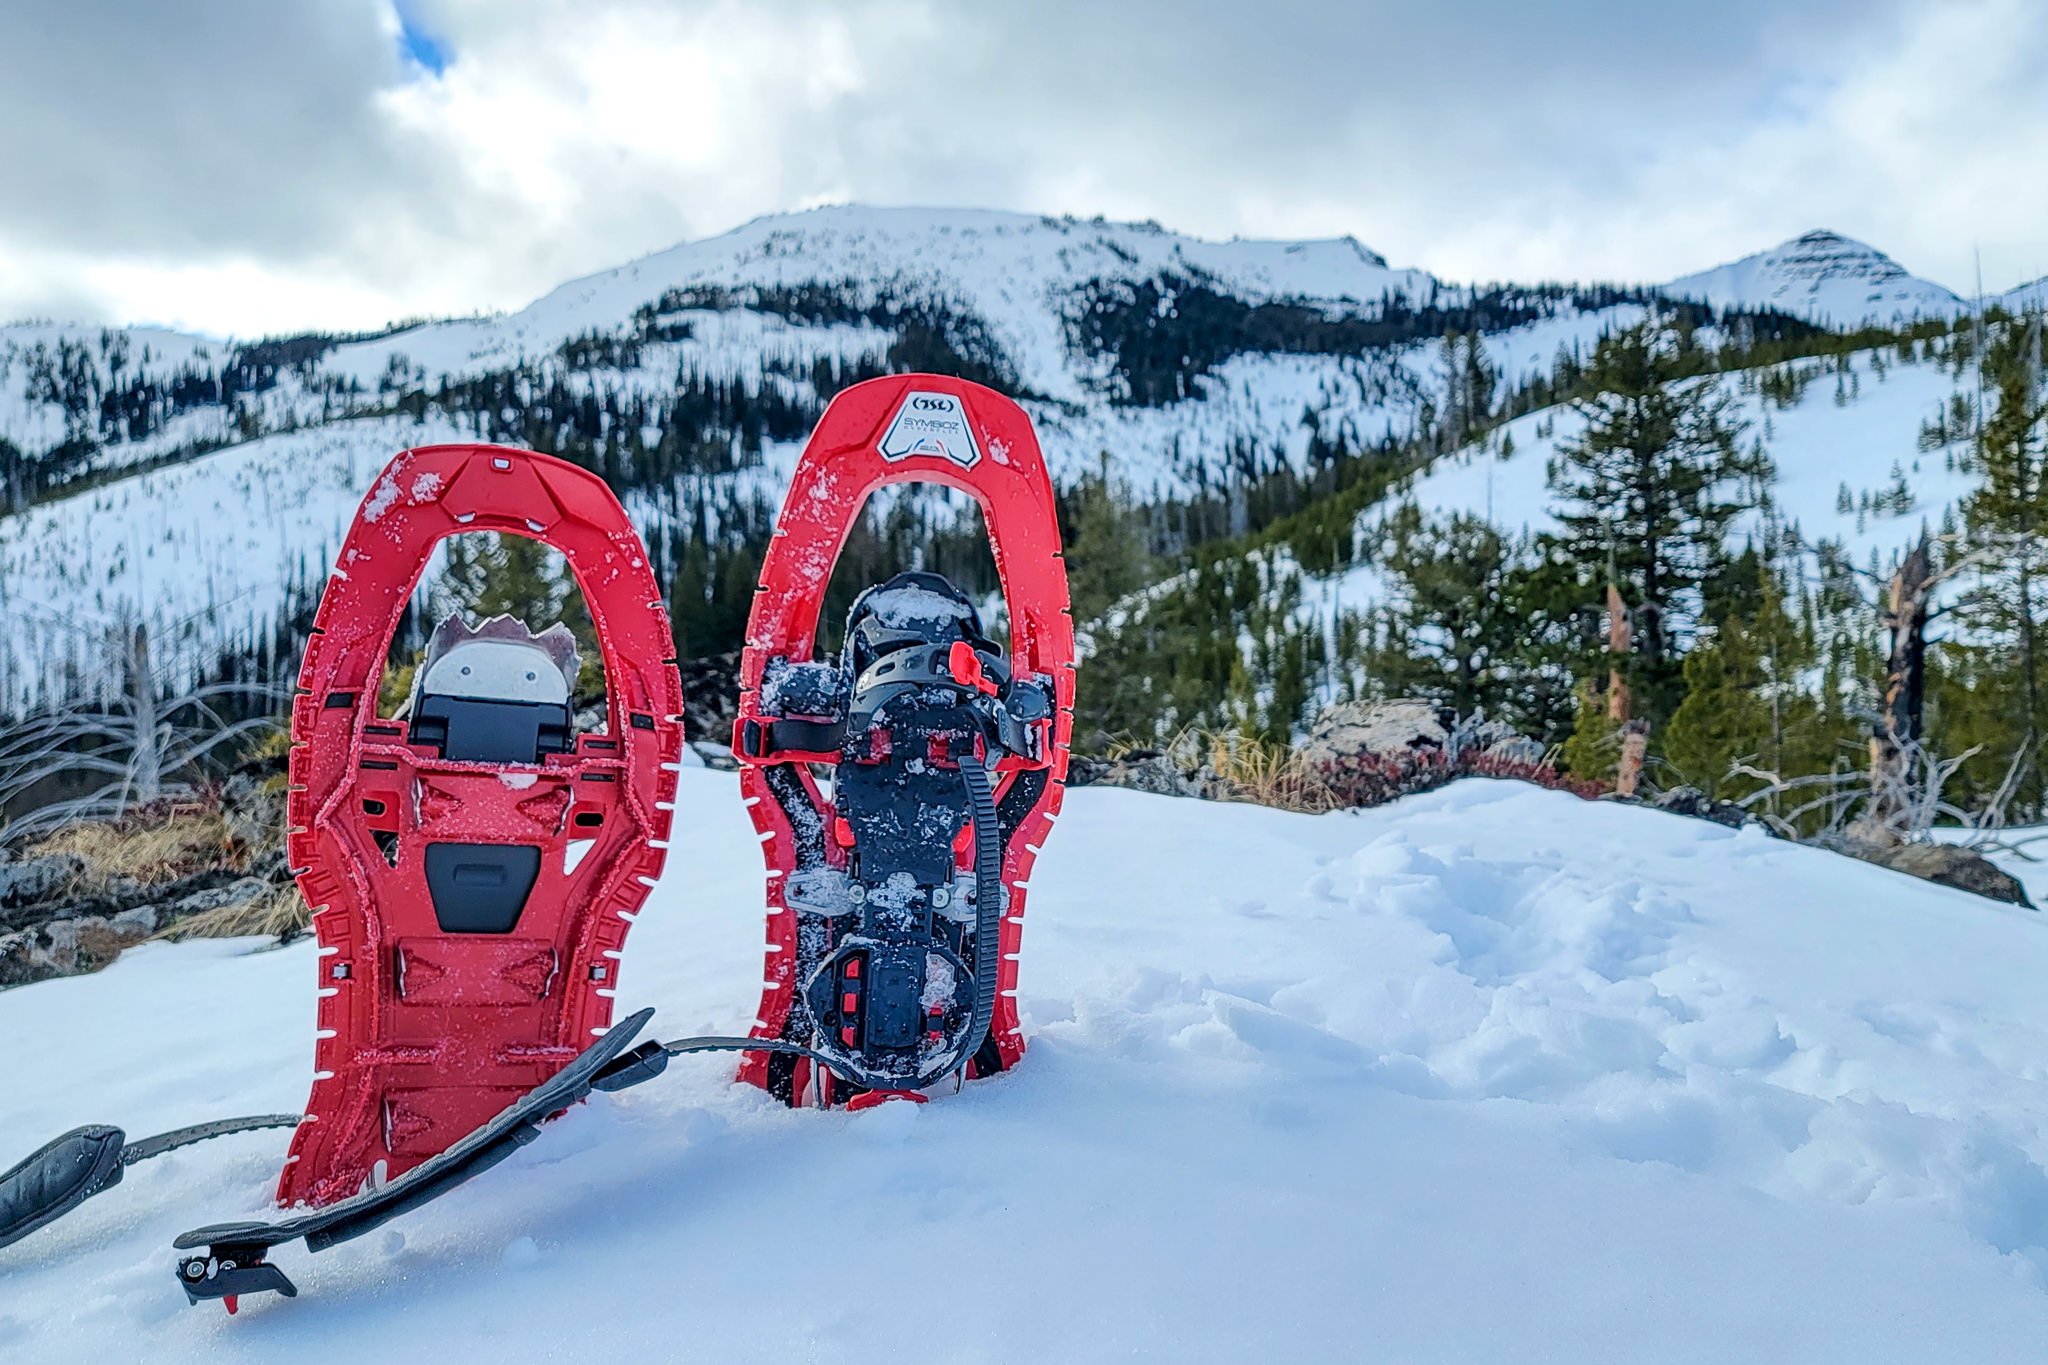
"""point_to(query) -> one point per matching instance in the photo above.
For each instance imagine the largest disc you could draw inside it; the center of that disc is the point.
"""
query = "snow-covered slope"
(1016, 271)
(205, 552)
(205, 544)
(1823, 276)
(218, 476)
(1856, 432)
(2026, 298)
(1488, 1075)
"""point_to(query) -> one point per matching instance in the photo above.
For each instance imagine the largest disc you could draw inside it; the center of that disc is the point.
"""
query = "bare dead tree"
(1620, 639)
(147, 745)
(1907, 610)
(1849, 808)
(1903, 707)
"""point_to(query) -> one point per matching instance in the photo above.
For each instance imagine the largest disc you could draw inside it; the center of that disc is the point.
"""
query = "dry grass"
(1267, 774)
(152, 847)
(1256, 770)
(279, 913)
(1249, 768)
(162, 844)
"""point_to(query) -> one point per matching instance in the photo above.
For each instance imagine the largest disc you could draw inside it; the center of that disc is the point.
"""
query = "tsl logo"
(931, 424)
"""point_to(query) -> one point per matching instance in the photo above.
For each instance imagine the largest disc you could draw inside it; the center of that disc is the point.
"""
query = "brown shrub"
(1366, 780)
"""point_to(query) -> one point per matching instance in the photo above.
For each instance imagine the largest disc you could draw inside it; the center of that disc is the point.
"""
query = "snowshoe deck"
(472, 868)
(911, 428)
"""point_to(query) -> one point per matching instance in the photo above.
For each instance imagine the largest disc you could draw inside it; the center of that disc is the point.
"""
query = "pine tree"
(1745, 700)
(1589, 753)
(690, 600)
(1106, 553)
(1473, 624)
(2010, 510)
(1646, 492)
(489, 575)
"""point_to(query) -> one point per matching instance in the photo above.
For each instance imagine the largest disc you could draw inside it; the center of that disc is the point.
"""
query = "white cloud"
(269, 167)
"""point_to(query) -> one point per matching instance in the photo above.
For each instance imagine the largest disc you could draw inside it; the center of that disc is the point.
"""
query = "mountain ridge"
(691, 376)
(1823, 276)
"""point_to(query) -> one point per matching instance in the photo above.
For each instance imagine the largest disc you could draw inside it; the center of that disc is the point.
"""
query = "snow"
(1853, 430)
(152, 352)
(204, 552)
(1012, 269)
(1822, 276)
(1489, 1074)
(206, 547)
(1818, 444)
(2032, 297)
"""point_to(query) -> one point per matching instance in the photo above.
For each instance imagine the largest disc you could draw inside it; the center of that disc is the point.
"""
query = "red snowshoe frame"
(426, 1034)
(842, 464)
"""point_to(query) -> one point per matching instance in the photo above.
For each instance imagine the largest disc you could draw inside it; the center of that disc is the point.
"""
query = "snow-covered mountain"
(1191, 364)
(2026, 298)
(1822, 276)
(1020, 275)
(1489, 1074)
(199, 484)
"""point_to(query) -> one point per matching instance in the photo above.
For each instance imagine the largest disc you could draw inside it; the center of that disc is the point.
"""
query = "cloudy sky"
(250, 166)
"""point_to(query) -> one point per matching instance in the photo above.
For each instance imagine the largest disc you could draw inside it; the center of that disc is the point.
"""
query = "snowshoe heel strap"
(765, 738)
(57, 1177)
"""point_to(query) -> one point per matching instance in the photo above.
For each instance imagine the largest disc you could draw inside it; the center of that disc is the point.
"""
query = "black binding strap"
(203, 1132)
(66, 1171)
(649, 1060)
(765, 737)
(57, 1177)
(234, 1261)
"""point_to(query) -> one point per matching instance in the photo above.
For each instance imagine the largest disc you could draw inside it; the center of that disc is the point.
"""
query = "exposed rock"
(1875, 833)
(1347, 729)
(237, 892)
(1696, 803)
(67, 947)
(1946, 864)
(1350, 728)
(1147, 770)
(38, 879)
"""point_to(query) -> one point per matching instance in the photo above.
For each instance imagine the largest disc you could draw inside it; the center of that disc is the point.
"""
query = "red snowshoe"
(474, 865)
(896, 881)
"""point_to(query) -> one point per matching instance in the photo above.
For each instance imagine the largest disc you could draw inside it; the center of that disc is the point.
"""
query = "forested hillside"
(1290, 474)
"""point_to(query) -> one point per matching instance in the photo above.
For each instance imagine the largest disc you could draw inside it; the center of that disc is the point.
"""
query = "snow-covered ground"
(1488, 1075)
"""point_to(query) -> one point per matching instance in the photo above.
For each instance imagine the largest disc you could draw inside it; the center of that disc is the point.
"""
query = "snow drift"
(1489, 1074)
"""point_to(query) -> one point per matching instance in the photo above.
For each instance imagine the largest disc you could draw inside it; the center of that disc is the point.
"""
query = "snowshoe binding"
(896, 895)
(474, 863)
